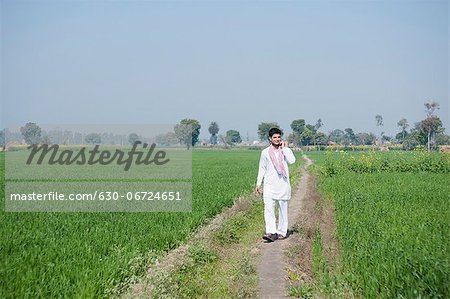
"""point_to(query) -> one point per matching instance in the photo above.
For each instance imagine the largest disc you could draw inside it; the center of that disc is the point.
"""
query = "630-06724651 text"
(98, 195)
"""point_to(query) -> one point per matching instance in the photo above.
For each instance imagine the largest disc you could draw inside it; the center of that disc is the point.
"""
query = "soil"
(293, 255)
(277, 260)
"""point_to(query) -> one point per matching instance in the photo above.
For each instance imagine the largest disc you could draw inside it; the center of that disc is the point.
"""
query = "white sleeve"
(262, 169)
(288, 155)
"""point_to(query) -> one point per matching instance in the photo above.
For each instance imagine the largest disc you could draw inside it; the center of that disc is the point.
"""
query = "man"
(273, 168)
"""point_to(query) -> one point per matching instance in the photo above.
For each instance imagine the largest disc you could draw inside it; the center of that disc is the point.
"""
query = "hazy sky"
(235, 62)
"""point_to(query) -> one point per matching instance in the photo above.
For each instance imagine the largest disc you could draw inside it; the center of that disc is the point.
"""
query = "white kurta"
(275, 185)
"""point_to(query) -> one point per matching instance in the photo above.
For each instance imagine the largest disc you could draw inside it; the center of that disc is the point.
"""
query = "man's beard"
(275, 145)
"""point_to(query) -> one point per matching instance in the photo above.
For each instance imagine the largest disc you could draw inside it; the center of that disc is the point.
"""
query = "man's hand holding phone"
(258, 189)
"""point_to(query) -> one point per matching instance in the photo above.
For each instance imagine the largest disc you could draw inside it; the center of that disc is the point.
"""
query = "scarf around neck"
(277, 163)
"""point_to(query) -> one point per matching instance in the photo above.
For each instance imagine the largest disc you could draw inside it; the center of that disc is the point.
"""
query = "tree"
(294, 138)
(336, 136)
(349, 136)
(311, 128)
(403, 124)
(365, 138)
(431, 125)
(166, 139)
(93, 138)
(233, 136)
(318, 124)
(442, 139)
(46, 140)
(307, 136)
(263, 129)
(298, 126)
(320, 138)
(411, 140)
(379, 120)
(132, 138)
(213, 130)
(401, 136)
(430, 107)
(31, 132)
(188, 131)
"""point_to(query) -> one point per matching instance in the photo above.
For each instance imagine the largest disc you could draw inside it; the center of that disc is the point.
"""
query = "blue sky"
(238, 63)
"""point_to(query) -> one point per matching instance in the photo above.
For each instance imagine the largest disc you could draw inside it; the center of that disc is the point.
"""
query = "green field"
(393, 219)
(96, 254)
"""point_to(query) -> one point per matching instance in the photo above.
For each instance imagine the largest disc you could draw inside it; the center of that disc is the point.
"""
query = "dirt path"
(273, 263)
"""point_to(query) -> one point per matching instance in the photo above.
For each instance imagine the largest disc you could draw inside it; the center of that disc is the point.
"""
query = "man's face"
(275, 139)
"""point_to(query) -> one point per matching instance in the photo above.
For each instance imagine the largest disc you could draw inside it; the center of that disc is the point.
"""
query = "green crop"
(374, 162)
(99, 254)
(393, 219)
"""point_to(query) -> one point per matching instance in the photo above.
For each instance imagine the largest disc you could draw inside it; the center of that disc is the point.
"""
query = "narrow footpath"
(273, 263)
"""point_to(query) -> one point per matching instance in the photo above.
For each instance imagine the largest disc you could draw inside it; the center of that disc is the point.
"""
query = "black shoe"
(270, 237)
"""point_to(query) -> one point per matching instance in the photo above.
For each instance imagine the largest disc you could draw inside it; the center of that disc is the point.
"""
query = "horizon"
(238, 63)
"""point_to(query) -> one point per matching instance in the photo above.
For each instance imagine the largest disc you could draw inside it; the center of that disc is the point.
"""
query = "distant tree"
(403, 124)
(31, 132)
(418, 134)
(379, 120)
(430, 107)
(233, 137)
(133, 137)
(442, 139)
(46, 140)
(167, 139)
(431, 125)
(413, 139)
(298, 126)
(365, 138)
(311, 128)
(213, 130)
(294, 138)
(401, 136)
(307, 136)
(336, 136)
(321, 138)
(349, 136)
(263, 129)
(93, 138)
(318, 124)
(386, 138)
(188, 131)
(226, 143)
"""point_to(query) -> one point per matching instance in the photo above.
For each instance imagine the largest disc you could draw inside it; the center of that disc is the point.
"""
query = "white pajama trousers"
(269, 216)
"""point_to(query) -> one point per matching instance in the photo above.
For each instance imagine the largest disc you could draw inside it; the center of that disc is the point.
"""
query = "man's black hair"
(275, 131)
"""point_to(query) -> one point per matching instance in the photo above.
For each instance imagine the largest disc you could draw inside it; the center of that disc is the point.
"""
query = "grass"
(222, 265)
(101, 254)
(392, 222)
(215, 267)
(90, 254)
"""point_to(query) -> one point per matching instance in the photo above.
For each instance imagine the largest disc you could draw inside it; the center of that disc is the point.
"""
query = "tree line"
(428, 132)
